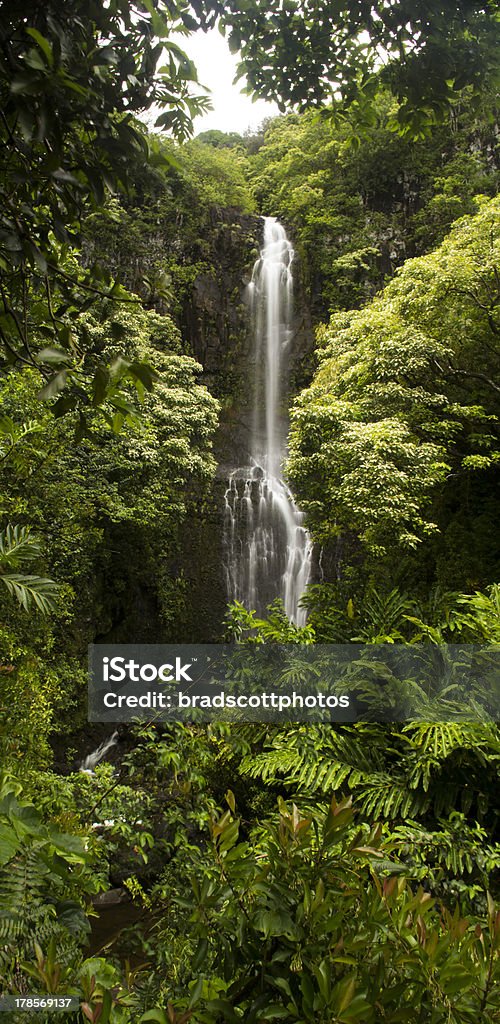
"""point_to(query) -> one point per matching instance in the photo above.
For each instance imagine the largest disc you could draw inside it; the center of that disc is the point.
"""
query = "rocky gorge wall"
(216, 328)
(204, 254)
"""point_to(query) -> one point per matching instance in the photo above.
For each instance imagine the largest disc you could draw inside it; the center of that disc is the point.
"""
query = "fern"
(441, 739)
(32, 591)
(423, 768)
(270, 766)
(427, 782)
(455, 856)
(37, 889)
(23, 914)
(384, 616)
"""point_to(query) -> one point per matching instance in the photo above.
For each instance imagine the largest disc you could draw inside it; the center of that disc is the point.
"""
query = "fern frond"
(270, 766)
(455, 848)
(384, 796)
(440, 739)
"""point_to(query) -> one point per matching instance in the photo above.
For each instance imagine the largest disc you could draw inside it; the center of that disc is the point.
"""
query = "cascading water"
(268, 551)
(88, 764)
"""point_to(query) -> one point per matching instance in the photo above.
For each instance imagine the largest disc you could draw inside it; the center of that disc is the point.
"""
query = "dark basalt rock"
(217, 331)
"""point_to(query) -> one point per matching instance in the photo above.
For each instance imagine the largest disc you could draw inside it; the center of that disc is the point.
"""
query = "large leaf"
(9, 844)
(53, 386)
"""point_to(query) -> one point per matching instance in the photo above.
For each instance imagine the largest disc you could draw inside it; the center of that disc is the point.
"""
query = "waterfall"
(88, 764)
(267, 549)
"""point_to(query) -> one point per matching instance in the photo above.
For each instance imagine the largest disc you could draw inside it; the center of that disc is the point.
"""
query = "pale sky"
(233, 112)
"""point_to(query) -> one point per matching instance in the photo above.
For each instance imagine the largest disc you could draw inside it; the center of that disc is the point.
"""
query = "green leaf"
(118, 367)
(52, 356)
(222, 1006)
(343, 993)
(308, 990)
(7, 425)
(145, 373)
(32, 592)
(200, 954)
(9, 844)
(72, 917)
(107, 1005)
(43, 43)
(196, 992)
(26, 84)
(322, 972)
(63, 405)
(100, 385)
(71, 846)
(53, 386)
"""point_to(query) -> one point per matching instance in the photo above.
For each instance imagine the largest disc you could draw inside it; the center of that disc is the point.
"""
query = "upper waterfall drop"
(268, 550)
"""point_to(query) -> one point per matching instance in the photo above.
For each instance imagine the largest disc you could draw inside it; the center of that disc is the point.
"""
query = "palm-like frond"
(17, 548)
(32, 591)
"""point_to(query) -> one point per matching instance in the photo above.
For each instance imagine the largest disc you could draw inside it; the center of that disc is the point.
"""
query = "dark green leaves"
(71, 82)
(308, 53)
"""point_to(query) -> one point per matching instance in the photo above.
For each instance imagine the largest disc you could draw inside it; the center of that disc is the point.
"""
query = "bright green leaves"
(313, 921)
(403, 396)
(275, 628)
(357, 213)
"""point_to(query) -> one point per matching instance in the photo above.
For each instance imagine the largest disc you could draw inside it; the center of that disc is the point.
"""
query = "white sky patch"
(233, 112)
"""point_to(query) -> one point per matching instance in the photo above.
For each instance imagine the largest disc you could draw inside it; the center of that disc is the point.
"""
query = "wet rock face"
(214, 320)
(215, 324)
(217, 330)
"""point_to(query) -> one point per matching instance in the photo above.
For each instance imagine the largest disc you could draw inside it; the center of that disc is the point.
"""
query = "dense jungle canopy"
(232, 872)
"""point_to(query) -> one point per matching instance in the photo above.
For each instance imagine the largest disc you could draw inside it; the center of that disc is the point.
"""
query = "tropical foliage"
(307, 872)
(313, 53)
(400, 418)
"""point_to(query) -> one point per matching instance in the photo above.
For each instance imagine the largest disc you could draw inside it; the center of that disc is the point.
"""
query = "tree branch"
(475, 374)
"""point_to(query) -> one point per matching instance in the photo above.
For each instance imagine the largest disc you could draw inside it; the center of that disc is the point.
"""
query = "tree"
(221, 140)
(397, 436)
(108, 512)
(356, 212)
(72, 78)
(311, 52)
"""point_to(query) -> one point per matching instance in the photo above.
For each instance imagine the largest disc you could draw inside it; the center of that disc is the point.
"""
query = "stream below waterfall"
(267, 549)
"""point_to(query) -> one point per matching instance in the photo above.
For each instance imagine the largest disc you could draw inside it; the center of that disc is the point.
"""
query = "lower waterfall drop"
(267, 548)
(91, 760)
